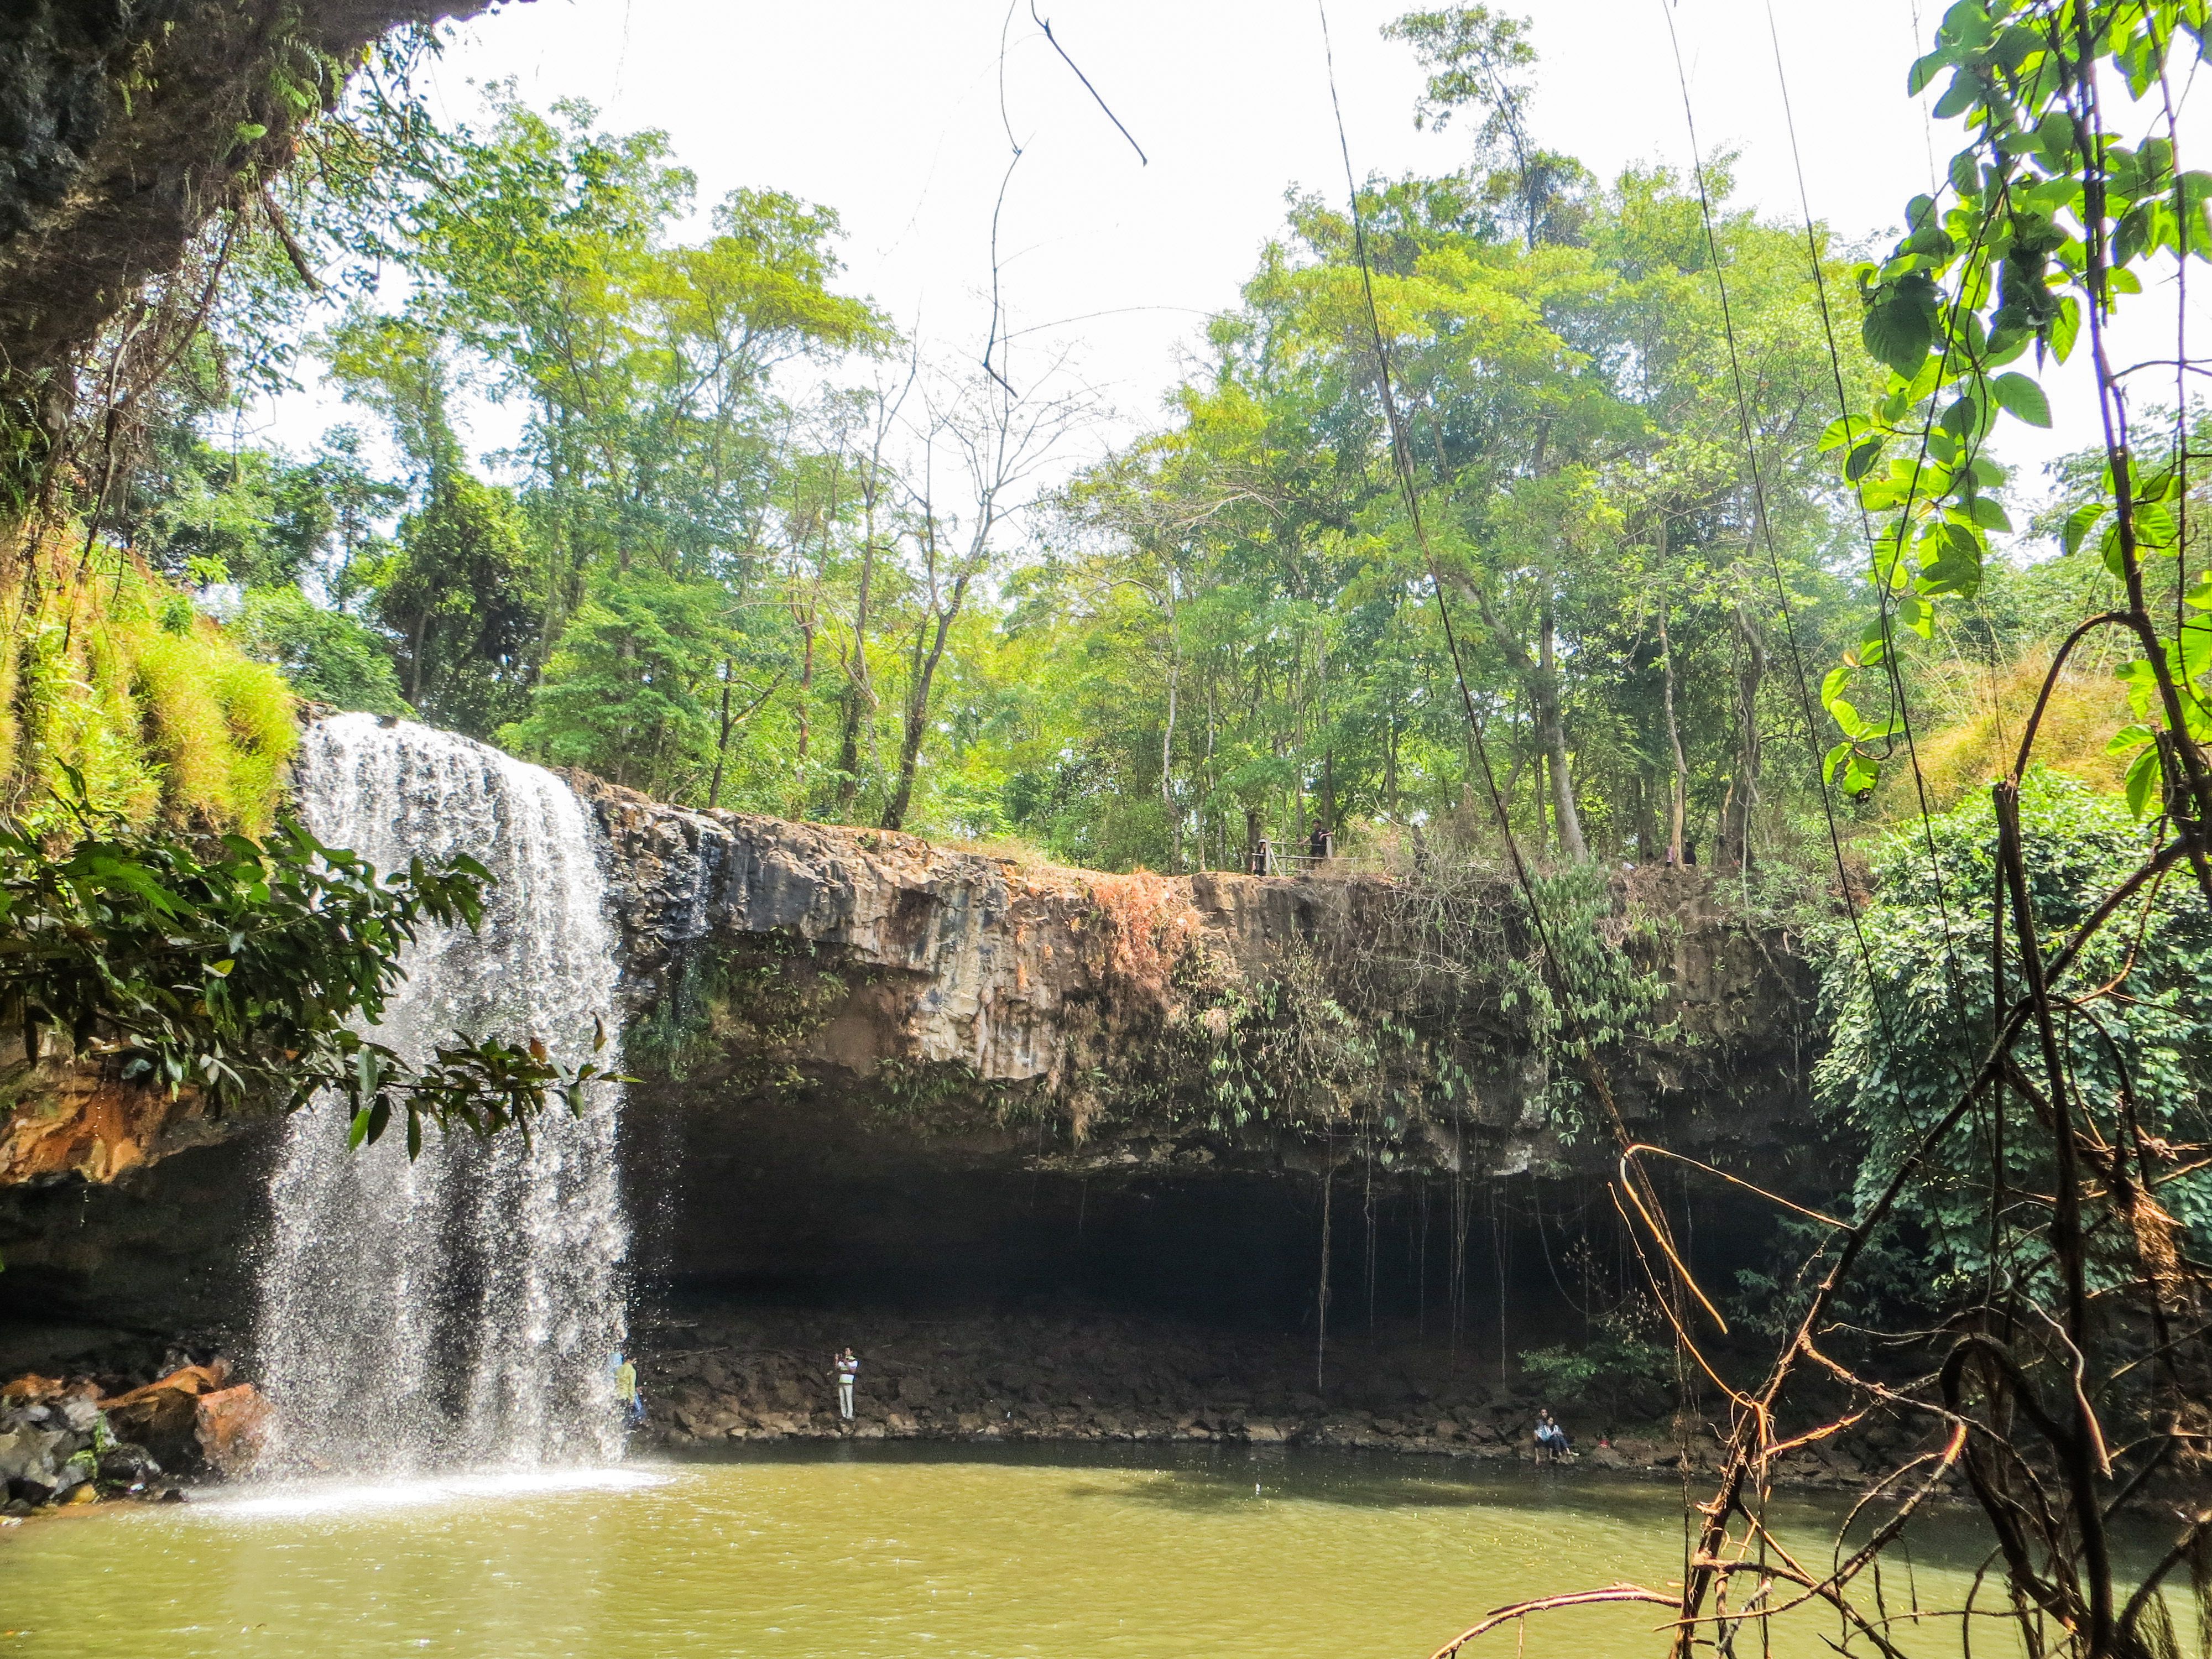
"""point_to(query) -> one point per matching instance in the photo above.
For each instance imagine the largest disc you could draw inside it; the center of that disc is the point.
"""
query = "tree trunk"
(851, 708)
(1647, 816)
(1679, 795)
(806, 685)
(859, 699)
(1551, 730)
(917, 708)
(721, 740)
(1390, 764)
(1734, 851)
(1540, 679)
(1168, 813)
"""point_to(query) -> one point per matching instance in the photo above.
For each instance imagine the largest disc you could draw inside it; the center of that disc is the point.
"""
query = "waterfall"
(460, 1310)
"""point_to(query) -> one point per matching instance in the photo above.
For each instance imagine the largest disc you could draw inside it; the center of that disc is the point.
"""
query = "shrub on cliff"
(326, 655)
(1912, 1014)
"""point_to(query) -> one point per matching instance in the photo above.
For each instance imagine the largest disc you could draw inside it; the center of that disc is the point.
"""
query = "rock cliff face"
(863, 1060)
(886, 1067)
(1095, 1020)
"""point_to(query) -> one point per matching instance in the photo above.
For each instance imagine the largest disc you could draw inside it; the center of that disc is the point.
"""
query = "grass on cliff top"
(1979, 716)
(108, 676)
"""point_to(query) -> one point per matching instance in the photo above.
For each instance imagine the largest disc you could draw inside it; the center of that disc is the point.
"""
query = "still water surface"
(878, 1553)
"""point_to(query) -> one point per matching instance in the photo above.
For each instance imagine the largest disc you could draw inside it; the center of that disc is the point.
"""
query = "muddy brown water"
(880, 1552)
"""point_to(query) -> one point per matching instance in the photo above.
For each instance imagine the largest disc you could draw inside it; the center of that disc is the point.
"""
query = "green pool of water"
(873, 1553)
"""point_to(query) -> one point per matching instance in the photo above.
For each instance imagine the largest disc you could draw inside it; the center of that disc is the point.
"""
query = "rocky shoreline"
(721, 1380)
(716, 1382)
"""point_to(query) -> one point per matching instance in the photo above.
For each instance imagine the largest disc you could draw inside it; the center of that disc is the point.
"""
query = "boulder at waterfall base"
(164, 1416)
(232, 1426)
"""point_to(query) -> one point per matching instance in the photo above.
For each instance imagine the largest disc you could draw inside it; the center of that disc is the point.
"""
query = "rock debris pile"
(68, 1440)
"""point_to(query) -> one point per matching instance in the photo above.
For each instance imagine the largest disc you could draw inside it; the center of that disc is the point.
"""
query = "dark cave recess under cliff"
(168, 1252)
(844, 1219)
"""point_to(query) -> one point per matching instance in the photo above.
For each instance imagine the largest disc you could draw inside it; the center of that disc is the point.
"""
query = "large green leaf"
(2080, 522)
(1900, 324)
(2021, 398)
(2146, 784)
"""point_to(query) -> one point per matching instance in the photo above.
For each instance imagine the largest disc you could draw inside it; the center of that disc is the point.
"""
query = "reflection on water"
(306, 1498)
(883, 1553)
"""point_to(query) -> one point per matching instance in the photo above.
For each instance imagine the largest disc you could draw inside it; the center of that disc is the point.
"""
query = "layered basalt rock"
(857, 984)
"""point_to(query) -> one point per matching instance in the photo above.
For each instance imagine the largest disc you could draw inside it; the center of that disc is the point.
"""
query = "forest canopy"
(750, 547)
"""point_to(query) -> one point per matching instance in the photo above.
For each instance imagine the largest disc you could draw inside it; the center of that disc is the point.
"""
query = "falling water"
(460, 1310)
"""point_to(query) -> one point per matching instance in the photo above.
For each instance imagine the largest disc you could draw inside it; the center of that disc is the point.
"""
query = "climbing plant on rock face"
(1535, 994)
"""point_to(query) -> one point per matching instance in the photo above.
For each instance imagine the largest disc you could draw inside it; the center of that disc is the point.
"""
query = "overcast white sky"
(890, 111)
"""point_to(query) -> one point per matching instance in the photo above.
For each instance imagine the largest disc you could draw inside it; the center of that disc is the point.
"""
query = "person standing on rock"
(849, 1369)
(633, 1403)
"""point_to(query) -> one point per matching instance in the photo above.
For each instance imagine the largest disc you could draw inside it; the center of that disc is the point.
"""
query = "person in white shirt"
(847, 1368)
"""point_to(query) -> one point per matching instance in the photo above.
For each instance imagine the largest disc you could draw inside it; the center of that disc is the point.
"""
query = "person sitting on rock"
(1551, 1439)
(849, 1369)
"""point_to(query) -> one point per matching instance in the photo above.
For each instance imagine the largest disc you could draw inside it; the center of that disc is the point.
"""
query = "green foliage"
(1235, 634)
(1628, 1362)
(457, 596)
(2048, 216)
(250, 516)
(690, 579)
(1890, 1281)
(115, 692)
(324, 655)
(626, 694)
(237, 968)
(1484, 60)
(1910, 1023)
(1532, 995)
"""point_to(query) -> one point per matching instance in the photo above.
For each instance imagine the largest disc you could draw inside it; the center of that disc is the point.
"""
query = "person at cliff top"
(847, 1370)
(1551, 1438)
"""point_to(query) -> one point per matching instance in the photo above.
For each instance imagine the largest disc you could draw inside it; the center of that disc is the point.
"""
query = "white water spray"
(459, 1311)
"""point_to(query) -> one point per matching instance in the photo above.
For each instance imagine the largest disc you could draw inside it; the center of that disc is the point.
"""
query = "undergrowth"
(114, 691)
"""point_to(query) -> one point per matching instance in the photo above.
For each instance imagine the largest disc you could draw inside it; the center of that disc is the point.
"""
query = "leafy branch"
(244, 970)
(2048, 219)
